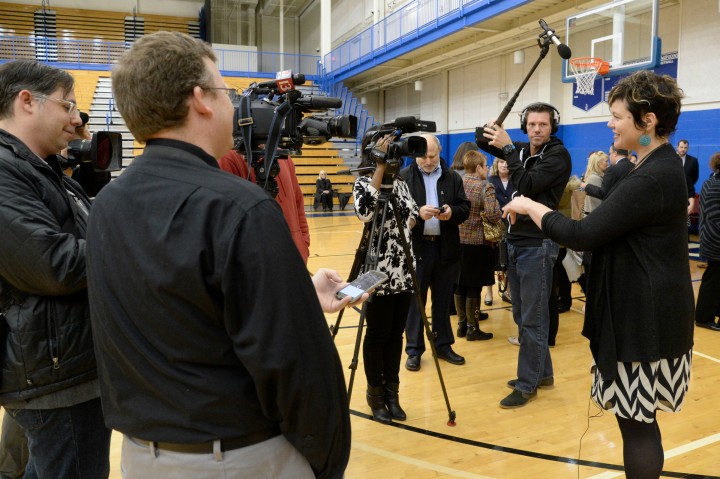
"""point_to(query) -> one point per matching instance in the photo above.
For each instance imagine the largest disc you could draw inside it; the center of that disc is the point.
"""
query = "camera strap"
(273, 139)
(245, 124)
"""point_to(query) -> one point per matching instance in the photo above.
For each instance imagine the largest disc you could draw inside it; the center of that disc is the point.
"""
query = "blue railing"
(407, 24)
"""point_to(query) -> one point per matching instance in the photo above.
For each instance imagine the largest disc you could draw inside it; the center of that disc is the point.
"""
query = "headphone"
(554, 118)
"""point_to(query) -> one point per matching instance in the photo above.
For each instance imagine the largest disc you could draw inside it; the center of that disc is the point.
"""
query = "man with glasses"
(49, 384)
(214, 355)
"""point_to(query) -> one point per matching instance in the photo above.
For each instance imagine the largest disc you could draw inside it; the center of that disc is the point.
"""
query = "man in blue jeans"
(49, 384)
(539, 170)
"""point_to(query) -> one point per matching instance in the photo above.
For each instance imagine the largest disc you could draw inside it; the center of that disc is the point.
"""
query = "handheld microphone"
(284, 82)
(563, 49)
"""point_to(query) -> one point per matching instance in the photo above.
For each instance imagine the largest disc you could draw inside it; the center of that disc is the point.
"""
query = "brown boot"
(472, 311)
(462, 318)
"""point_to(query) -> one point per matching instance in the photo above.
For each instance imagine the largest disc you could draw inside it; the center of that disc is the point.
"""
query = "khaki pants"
(275, 458)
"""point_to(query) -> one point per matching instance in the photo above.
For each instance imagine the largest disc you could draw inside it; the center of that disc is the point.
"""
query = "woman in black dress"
(640, 305)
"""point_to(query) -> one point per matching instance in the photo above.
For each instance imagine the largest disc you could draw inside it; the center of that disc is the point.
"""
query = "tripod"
(366, 258)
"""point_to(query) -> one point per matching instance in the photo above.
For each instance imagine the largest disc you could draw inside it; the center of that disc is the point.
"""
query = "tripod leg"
(428, 331)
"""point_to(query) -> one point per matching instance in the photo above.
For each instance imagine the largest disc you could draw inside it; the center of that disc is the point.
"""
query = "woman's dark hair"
(364, 157)
(647, 92)
(457, 163)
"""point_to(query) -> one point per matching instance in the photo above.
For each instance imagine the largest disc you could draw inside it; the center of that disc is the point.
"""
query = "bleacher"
(325, 157)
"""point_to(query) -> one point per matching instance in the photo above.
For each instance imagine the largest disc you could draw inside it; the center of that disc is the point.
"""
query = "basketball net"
(585, 70)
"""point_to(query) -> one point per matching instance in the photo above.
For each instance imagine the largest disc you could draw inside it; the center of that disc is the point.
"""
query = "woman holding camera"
(388, 307)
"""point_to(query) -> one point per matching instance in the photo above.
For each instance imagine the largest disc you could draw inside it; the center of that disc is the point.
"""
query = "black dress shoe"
(451, 357)
(413, 363)
(713, 326)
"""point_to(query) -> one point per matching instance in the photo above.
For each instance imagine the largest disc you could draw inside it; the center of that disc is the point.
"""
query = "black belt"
(432, 238)
(207, 447)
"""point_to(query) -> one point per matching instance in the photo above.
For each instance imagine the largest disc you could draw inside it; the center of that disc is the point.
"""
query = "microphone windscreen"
(564, 51)
(321, 102)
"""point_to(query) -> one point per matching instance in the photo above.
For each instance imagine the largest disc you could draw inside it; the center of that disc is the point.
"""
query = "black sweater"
(541, 177)
(640, 303)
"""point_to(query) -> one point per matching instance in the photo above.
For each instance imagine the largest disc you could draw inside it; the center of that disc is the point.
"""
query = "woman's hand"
(522, 205)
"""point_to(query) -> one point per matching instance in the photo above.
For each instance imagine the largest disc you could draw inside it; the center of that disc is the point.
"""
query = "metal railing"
(406, 24)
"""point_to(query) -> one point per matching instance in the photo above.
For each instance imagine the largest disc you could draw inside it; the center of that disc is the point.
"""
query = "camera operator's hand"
(327, 282)
(497, 135)
(383, 143)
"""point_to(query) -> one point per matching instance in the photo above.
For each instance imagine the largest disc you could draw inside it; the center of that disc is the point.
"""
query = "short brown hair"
(472, 159)
(647, 92)
(152, 81)
(33, 76)
(715, 162)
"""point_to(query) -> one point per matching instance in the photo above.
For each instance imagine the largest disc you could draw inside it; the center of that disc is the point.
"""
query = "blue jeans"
(530, 274)
(440, 277)
(66, 442)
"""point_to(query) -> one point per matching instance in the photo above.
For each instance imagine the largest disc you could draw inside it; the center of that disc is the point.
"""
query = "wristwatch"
(508, 149)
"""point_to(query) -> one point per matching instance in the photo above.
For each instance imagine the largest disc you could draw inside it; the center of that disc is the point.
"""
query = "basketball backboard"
(623, 33)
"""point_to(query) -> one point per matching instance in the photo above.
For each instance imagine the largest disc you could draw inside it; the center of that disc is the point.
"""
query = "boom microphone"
(319, 102)
(563, 49)
(410, 124)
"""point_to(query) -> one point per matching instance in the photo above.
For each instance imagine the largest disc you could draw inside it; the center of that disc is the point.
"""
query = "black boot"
(473, 312)
(462, 319)
(376, 400)
(392, 400)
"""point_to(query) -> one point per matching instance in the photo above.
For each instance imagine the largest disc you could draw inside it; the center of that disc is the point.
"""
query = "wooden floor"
(559, 435)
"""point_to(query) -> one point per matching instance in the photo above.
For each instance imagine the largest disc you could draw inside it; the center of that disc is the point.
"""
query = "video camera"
(413, 146)
(270, 124)
(103, 151)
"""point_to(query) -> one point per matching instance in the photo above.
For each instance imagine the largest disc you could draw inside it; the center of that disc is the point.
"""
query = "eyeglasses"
(231, 92)
(70, 106)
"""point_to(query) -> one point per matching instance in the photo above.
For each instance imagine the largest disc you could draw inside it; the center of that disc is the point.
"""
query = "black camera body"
(413, 146)
(271, 122)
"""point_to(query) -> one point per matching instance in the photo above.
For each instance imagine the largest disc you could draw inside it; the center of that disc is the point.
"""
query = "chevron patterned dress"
(640, 389)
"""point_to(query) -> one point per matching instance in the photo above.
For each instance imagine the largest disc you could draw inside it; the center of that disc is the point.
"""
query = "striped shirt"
(710, 218)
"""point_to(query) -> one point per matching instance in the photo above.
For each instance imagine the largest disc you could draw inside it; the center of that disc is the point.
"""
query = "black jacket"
(540, 177)
(692, 172)
(613, 174)
(47, 341)
(640, 303)
(450, 191)
(206, 322)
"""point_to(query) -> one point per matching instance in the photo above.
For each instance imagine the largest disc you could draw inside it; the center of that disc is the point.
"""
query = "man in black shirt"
(213, 352)
(620, 166)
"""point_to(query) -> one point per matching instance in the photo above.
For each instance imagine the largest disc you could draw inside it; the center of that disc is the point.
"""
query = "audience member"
(387, 310)
(620, 165)
(478, 257)
(49, 385)
(289, 197)
(692, 172)
(206, 360)
(500, 178)
(708, 301)
(323, 192)
(638, 236)
(597, 163)
(539, 170)
(458, 158)
(436, 245)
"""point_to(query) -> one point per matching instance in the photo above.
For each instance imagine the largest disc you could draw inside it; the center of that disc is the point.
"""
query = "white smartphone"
(361, 285)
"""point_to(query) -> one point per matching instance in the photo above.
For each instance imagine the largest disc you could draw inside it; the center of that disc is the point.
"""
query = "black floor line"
(521, 452)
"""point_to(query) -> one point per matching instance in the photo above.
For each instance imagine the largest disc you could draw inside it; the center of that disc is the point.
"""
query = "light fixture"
(418, 85)
(519, 57)
(363, 100)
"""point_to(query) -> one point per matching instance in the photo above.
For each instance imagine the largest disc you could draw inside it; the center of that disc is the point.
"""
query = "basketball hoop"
(585, 70)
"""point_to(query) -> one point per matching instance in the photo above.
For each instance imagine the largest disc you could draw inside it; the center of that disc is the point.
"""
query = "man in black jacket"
(440, 195)
(49, 383)
(692, 171)
(213, 351)
(620, 166)
(540, 170)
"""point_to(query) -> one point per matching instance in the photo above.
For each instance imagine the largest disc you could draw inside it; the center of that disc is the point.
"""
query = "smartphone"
(441, 209)
(361, 285)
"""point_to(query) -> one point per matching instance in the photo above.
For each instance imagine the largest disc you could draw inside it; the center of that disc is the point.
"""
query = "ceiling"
(502, 34)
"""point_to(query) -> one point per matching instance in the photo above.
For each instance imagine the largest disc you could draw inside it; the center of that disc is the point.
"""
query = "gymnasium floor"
(559, 435)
